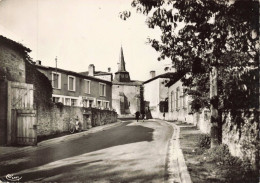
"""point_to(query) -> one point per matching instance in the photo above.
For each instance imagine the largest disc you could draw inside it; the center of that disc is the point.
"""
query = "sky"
(82, 32)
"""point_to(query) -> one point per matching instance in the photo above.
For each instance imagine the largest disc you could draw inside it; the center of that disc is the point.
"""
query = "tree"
(200, 35)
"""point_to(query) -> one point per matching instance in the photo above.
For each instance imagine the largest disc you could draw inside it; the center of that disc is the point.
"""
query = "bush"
(221, 155)
(204, 141)
(239, 171)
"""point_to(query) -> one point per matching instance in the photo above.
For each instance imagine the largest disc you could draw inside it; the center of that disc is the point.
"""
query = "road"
(131, 152)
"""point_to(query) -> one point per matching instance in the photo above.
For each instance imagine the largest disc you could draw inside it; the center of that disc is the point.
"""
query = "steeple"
(121, 64)
(122, 75)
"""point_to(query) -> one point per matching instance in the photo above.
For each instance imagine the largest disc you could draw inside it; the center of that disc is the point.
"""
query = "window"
(106, 105)
(126, 76)
(122, 75)
(99, 103)
(181, 97)
(172, 100)
(87, 86)
(185, 101)
(102, 89)
(55, 99)
(71, 83)
(73, 102)
(56, 80)
(177, 98)
(67, 101)
(90, 103)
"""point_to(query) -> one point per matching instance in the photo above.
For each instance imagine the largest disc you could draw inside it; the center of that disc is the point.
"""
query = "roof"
(14, 44)
(121, 64)
(176, 77)
(102, 73)
(165, 75)
(74, 74)
(97, 73)
(131, 83)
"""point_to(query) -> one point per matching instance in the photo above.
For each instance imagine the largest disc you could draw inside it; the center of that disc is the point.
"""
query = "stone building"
(12, 68)
(75, 95)
(126, 93)
(12, 57)
(76, 89)
(156, 94)
(23, 88)
(179, 102)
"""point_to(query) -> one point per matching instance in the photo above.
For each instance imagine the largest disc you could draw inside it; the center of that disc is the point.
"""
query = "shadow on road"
(93, 142)
(92, 171)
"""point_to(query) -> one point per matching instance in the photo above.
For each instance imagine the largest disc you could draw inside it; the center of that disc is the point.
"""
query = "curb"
(182, 167)
(177, 157)
(173, 173)
(50, 142)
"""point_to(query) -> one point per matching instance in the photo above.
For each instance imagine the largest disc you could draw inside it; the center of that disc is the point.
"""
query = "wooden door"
(26, 127)
(21, 116)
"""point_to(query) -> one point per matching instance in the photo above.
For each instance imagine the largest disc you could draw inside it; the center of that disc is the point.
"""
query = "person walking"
(143, 116)
(137, 114)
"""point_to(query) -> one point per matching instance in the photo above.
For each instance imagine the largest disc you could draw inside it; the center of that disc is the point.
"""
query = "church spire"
(122, 75)
(121, 64)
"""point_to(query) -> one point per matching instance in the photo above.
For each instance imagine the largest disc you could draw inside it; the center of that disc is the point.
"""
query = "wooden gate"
(21, 117)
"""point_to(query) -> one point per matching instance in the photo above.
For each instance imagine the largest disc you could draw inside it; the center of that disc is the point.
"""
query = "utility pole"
(56, 60)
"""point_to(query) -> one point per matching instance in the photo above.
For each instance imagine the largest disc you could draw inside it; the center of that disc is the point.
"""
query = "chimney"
(38, 62)
(91, 70)
(152, 74)
(109, 69)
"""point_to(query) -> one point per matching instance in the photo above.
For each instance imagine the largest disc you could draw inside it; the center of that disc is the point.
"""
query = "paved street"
(131, 152)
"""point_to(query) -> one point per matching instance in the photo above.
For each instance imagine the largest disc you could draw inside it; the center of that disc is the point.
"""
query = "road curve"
(131, 152)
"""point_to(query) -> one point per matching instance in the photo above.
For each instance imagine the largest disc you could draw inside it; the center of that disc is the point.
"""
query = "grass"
(211, 165)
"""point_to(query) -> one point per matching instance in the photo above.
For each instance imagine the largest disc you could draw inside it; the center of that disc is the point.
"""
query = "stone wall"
(12, 63)
(99, 117)
(3, 112)
(56, 119)
(240, 132)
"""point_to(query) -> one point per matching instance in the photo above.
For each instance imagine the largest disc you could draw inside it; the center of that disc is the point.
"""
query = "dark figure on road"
(137, 114)
(143, 116)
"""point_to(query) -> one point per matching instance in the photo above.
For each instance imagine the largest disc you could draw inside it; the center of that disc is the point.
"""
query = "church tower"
(122, 75)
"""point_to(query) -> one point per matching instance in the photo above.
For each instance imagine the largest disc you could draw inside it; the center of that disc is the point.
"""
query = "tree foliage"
(199, 34)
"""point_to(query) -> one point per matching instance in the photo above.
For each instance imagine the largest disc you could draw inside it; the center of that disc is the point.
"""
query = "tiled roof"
(96, 73)
(176, 77)
(165, 75)
(173, 76)
(74, 73)
(13, 43)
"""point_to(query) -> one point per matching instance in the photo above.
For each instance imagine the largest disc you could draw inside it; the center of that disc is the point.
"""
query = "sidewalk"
(8, 150)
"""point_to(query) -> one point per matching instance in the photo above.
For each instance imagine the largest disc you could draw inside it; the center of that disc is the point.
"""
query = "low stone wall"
(240, 132)
(181, 115)
(98, 117)
(56, 119)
